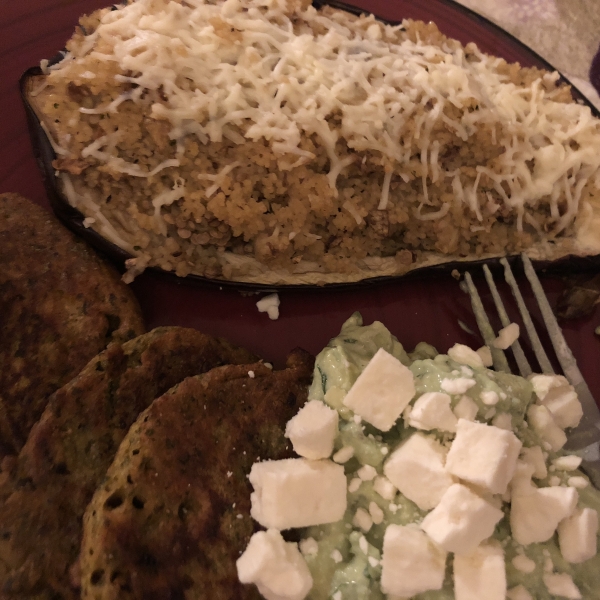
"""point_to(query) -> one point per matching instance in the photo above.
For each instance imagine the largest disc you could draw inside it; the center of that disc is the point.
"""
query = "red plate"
(427, 309)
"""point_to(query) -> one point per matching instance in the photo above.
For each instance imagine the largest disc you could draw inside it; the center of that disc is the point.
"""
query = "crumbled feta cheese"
(480, 574)
(567, 463)
(432, 411)
(519, 592)
(362, 519)
(491, 412)
(503, 421)
(270, 305)
(457, 386)
(275, 566)
(363, 544)
(466, 408)
(367, 473)
(297, 492)
(337, 557)
(542, 422)
(559, 397)
(486, 356)
(465, 356)
(554, 481)
(461, 520)
(373, 561)
(354, 485)
(542, 384)
(578, 482)
(382, 391)
(416, 468)
(577, 535)
(536, 512)
(489, 397)
(411, 562)
(343, 454)
(251, 374)
(561, 584)
(313, 430)
(535, 457)
(376, 513)
(384, 487)
(309, 546)
(564, 405)
(523, 563)
(507, 336)
(483, 455)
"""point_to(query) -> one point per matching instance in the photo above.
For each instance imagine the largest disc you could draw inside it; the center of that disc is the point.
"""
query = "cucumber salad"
(425, 476)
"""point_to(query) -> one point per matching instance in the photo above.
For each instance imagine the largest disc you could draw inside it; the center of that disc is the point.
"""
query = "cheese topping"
(282, 72)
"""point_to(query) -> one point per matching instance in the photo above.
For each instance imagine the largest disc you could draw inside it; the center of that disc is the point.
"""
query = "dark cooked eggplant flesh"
(335, 150)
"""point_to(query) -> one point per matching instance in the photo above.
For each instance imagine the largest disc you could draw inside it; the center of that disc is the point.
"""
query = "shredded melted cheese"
(267, 69)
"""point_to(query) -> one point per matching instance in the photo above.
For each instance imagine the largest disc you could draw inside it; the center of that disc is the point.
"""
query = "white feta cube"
(519, 592)
(536, 512)
(489, 397)
(507, 336)
(542, 384)
(416, 468)
(343, 455)
(567, 463)
(313, 430)
(523, 563)
(535, 457)
(275, 566)
(270, 305)
(503, 421)
(486, 356)
(466, 408)
(411, 562)
(432, 411)
(384, 487)
(362, 519)
(309, 546)
(382, 391)
(465, 356)
(577, 535)
(562, 584)
(297, 492)
(521, 481)
(461, 521)
(481, 574)
(578, 482)
(376, 513)
(564, 405)
(542, 422)
(483, 455)
(457, 386)
(367, 473)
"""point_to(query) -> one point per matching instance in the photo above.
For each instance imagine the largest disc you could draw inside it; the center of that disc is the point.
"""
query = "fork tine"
(587, 431)
(536, 343)
(521, 359)
(499, 358)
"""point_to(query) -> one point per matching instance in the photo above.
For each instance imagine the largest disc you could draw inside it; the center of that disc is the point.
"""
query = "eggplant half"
(321, 191)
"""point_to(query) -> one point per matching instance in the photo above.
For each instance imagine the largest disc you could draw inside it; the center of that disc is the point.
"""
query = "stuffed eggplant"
(277, 143)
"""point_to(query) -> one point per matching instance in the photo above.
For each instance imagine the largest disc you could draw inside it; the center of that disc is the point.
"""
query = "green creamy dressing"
(337, 368)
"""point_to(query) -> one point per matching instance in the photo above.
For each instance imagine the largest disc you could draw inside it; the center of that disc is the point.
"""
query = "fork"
(583, 440)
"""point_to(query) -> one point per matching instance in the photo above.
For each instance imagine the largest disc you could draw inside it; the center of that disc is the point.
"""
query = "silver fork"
(584, 439)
